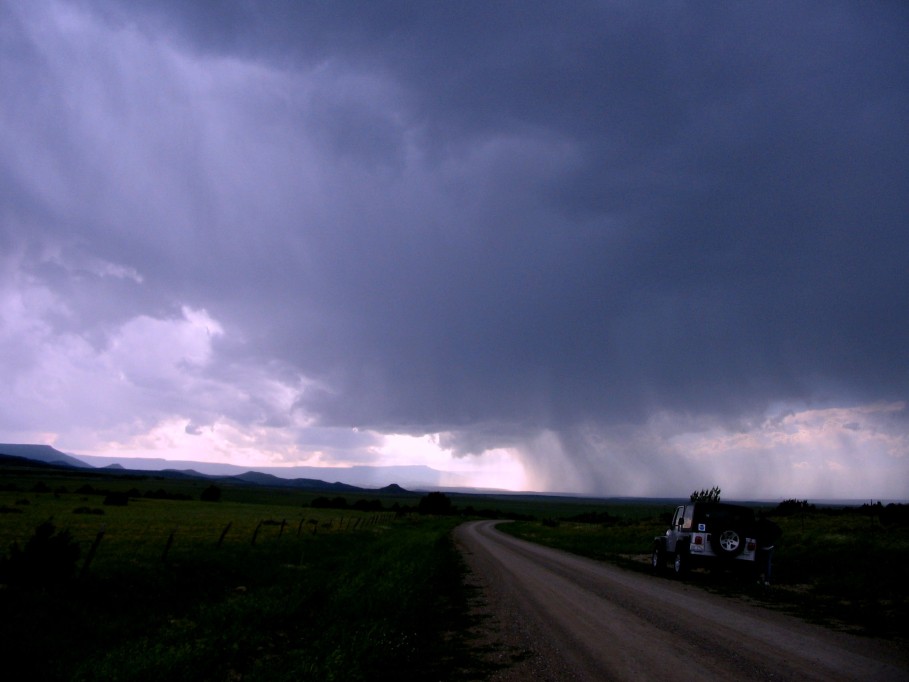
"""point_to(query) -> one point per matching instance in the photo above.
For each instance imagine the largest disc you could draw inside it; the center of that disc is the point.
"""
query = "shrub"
(604, 518)
(211, 494)
(790, 507)
(326, 503)
(712, 495)
(435, 503)
(895, 514)
(49, 558)
(87, 510)
(116, 499)
(368, 505)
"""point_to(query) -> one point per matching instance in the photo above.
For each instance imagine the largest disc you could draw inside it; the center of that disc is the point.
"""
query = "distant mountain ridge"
(408, 477)
(41, 453)
(258, 478)
(47, 457)
(411, 477)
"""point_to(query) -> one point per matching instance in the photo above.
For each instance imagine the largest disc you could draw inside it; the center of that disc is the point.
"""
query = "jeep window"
(678, 517)
(689, 517)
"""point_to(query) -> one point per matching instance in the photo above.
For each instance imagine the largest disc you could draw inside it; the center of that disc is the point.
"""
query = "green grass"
(847, 568)
(362, 606)
(838, 567)
(605, 543)
(344, 596)
(348, 595)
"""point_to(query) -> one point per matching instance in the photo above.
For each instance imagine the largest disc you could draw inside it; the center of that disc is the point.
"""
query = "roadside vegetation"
(173, 587)
(140, 577)
(843, 567)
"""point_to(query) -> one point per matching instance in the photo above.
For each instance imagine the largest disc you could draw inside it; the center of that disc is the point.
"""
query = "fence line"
(345, 524)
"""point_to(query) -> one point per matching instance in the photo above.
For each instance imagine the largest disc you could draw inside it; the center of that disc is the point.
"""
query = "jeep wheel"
(729, 542)
(680, 563)
(657, 560)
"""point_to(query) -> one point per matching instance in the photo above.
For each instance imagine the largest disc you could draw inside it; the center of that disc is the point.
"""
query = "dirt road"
(557, 616)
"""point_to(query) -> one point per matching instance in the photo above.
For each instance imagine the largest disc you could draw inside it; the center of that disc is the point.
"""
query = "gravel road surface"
(550, 615)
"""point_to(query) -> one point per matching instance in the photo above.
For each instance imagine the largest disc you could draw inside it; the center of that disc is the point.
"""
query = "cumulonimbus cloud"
(566, 234)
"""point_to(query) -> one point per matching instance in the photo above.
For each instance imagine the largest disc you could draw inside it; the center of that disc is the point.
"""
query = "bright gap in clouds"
(157, 387)
(160, 387)
(500, 468)
(178, 439)
(841, 452)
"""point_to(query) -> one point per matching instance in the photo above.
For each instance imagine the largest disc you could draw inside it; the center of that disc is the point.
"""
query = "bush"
(435, 503)
(368, 505)
(326, 503)
(211, 494)
(49, 558)
(712, 495)
(116, 499)
(790, 507)
(88, 510)
(895, 514)
(604, 518)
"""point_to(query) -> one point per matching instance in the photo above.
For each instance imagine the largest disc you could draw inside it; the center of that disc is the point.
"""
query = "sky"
(608, 248)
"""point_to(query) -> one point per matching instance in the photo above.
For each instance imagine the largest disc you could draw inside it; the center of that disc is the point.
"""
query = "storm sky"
(613, 248)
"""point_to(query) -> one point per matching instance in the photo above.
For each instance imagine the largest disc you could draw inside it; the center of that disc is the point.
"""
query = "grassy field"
(289, 592)
(267, 584)
(842, 567)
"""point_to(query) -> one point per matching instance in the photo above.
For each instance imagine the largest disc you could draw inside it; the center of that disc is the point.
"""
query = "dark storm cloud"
(635, 209)
(489, 219)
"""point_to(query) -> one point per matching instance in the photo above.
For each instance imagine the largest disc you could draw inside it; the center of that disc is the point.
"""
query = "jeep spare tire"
(728, 542)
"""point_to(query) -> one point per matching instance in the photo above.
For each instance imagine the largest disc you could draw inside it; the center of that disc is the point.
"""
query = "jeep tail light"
(751, 546)
(699, 539)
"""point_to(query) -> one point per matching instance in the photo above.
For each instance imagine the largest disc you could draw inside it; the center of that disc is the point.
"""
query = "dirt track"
(557, 616)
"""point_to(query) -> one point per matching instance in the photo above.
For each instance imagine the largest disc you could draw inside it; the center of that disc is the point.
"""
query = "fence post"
(170, 541)
(283, 523)
(91, 551)
(256, 533)
(224, 532)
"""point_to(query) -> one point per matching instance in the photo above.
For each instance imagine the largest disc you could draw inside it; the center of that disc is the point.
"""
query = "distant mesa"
(41, 453)
(15, 461)
(411, 477)
(259, 478)
(183, 473)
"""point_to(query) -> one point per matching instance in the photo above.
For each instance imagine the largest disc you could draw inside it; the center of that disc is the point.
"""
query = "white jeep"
(706, 533)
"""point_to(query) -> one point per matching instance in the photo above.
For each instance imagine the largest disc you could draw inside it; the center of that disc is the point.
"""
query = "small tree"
(790, 507)
(211, 494)
(435, 503)
(712, 495)
(116, 499)
(49, 558)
